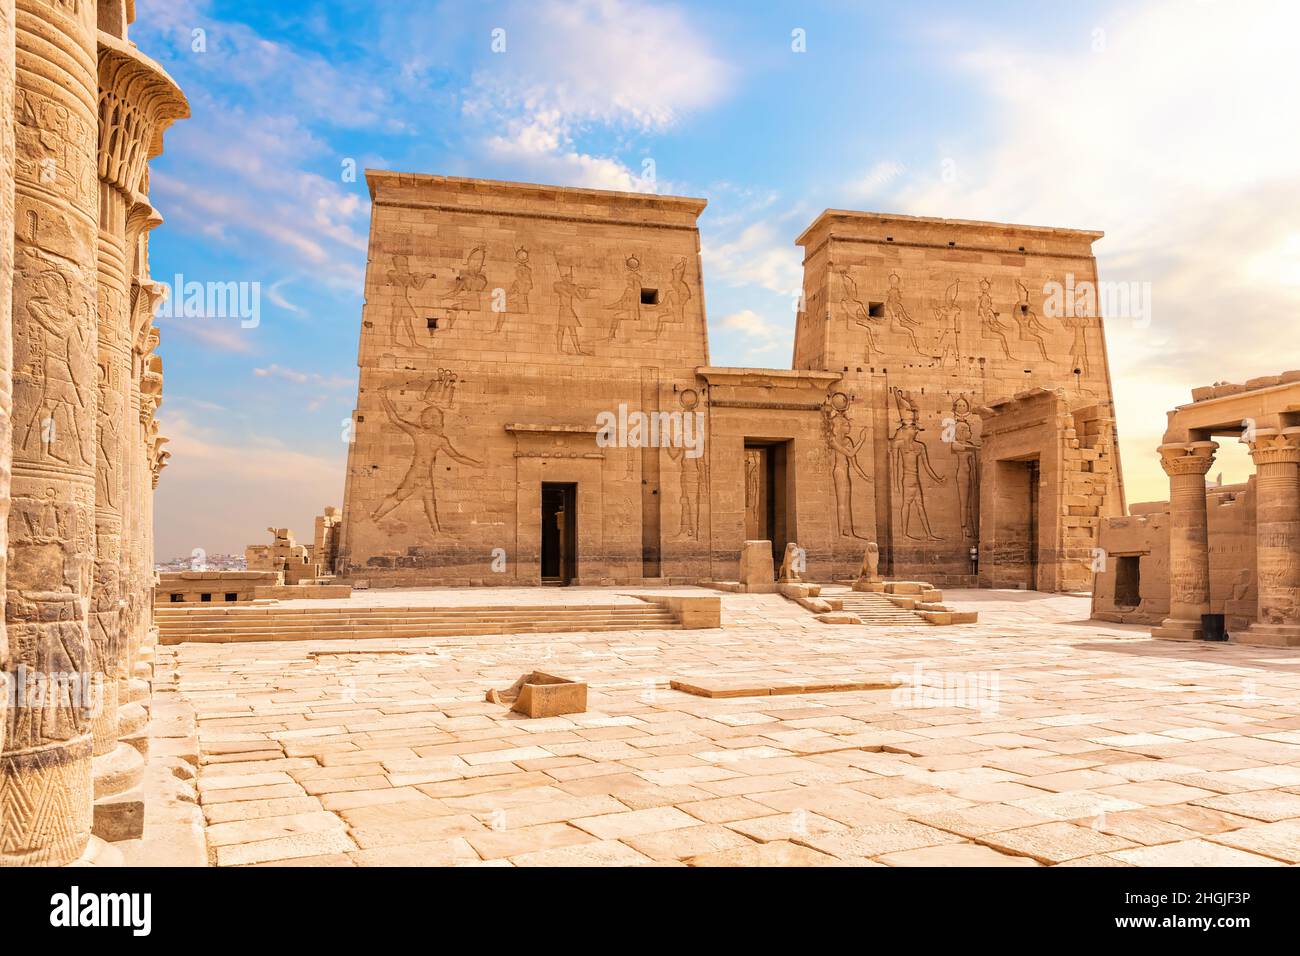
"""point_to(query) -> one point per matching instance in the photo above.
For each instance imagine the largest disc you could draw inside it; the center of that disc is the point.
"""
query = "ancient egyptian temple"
(82, 112)
(537, 402)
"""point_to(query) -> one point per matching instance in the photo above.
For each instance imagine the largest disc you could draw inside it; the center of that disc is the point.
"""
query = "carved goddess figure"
(909, 455)
(966, 447)
(1031, 330)
(517, 294)
(837, 430)
(989, 320)
(858, 312)
(899, 318)
(429, 439)
(627, 308)
(694, 475)
(948, 318)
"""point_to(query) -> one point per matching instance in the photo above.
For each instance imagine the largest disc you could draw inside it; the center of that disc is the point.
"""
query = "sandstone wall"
(934, 318)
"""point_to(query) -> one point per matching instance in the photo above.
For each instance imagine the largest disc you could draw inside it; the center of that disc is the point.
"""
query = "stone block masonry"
(536, 403)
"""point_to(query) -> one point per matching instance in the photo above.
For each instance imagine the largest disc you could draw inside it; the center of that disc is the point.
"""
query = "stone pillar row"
(81, 114)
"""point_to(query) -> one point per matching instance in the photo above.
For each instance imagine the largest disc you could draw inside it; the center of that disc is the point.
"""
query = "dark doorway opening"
(1033, 524)
(559, 532)
(766, 503)
(1128, 581)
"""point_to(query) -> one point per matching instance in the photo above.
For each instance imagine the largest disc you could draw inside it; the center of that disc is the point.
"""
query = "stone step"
(876, 609)
(224, 625)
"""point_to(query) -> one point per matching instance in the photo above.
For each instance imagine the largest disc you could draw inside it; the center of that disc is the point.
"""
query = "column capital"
(137, 102)
(1272, 446)
(1187, 458)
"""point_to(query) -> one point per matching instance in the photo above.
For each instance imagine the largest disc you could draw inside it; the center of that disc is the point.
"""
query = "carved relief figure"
(679, 296)
(694, 474)
(56, 332)
(859, 313)
(517, 294)
(754, 516)
(1031, 329)
(837, 430)
(989, 321)
(467, 286)
(566, 332)
(908, 455)
(948, 318)
(106, 474)
(400, 277)
(429, 438)
(965, 446)
(1078, 326)
(900, 320)
(627, 308)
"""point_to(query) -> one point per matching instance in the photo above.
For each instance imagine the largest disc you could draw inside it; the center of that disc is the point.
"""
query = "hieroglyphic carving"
(1031, 328)
(966, 448)
(517, 295)
(900, 320)
(467, 286)
(401, 277)
(677, 299)
(568, 323)
(908, 455)
(859, 313)
(1078, 326)
(627, 307)
(837, 431)
(429, 439)
(694, 477)
(988, 317)
(948, 318)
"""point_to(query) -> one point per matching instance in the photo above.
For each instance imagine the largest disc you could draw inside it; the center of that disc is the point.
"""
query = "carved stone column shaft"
(1277, 537)
(45, 768)
(1189, 545)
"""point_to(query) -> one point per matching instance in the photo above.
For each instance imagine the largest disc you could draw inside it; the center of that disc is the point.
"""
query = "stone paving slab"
(1033, 737)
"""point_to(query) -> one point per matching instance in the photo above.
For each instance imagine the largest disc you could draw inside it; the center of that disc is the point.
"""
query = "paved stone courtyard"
(1035, 737)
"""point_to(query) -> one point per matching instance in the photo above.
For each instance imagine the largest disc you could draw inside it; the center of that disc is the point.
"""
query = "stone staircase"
(272, 623)
(874, 608)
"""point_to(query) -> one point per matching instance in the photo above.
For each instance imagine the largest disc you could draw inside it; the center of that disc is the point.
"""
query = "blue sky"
(1165, 124)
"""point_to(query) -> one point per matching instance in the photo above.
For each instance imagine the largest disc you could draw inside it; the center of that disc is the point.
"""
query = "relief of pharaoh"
(429, 438)
(909, 455)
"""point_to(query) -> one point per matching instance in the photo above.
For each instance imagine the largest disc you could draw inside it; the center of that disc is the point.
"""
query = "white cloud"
(1173, 139)
(760, 254)
(568, 66)
(762, 338)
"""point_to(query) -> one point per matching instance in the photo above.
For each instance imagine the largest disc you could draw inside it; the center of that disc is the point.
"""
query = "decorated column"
(137, 101)
(45, 767)
(1186, 464)
(6, 329)
(1277, 537)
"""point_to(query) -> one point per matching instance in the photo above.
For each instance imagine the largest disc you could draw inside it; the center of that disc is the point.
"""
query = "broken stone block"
(542, 695)
(756, 572)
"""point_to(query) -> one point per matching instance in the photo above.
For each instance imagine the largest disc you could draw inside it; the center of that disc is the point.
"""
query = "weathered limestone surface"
(505, 321)
(6, 326)
(83, 111)
(45, 770)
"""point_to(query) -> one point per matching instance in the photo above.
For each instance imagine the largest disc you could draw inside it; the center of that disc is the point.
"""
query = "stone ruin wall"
(83, 111)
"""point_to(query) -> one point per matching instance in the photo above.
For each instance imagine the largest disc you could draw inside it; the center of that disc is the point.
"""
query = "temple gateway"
(537, 403)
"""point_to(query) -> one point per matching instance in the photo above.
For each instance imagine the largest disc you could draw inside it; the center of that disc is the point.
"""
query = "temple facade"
(537, 403)
(82, 112)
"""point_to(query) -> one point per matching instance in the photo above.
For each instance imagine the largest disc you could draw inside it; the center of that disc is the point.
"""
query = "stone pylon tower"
(83, 111)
